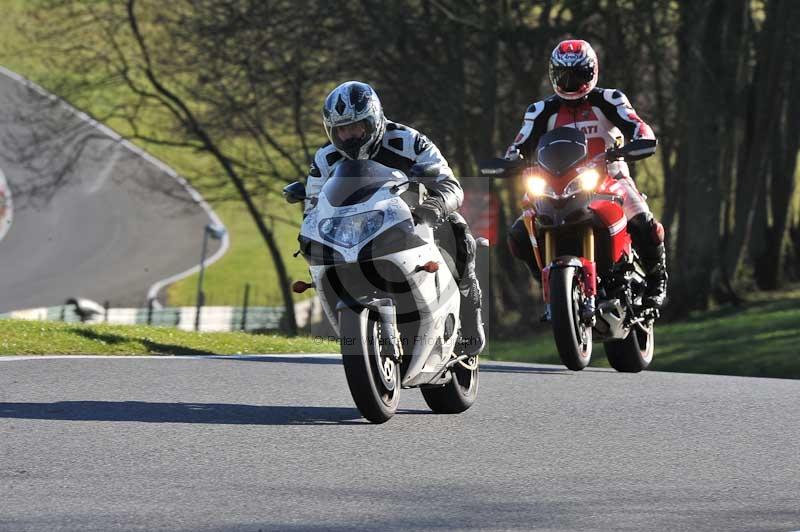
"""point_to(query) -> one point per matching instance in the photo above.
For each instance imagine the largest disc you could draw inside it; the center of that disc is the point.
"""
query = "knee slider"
(456, 220)
(645, 230)
(658, 232)
(470, 246)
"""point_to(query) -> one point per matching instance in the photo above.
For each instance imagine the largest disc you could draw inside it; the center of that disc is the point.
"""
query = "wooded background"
(242, 82)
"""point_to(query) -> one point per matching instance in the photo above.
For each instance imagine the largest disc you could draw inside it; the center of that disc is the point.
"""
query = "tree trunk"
(191, 123)
(783, 156)
(760, 133)
(700, 37)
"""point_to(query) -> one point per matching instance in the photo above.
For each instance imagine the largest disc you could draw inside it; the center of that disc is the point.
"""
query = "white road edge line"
(152, 292)
(8, 219)
(169, 357)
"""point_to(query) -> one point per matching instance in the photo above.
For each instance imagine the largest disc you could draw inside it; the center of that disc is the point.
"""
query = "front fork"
(585, 264)
(389, 341)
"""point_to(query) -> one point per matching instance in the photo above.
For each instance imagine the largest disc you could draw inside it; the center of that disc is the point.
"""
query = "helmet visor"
(571, 78)
(351, 138)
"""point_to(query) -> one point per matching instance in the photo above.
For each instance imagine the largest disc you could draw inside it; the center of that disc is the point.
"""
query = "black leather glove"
(431, 212)
(613, 154)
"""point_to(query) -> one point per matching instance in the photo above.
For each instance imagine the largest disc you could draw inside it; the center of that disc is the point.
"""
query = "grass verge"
(56, 338)
(758, 339)
(247, 261)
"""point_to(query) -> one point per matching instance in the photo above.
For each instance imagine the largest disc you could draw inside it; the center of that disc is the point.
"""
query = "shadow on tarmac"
(211, 413)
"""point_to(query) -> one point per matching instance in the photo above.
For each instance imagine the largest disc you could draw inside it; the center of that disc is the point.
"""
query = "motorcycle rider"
(604, 116)
(357, 129)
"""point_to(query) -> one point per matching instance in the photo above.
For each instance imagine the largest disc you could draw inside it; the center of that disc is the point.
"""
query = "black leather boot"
(648, 240)
(655, 295)
(473, 337)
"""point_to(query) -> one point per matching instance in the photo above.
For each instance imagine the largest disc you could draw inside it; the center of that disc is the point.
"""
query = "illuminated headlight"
(536, 186)
(589, 179)
(349, 231)
(586, 181)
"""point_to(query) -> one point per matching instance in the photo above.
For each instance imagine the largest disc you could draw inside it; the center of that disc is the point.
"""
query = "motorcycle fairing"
(394, 209)
(434, 296)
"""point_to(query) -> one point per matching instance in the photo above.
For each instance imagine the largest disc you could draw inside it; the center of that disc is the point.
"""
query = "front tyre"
(634, 353)
(373, 379)
(457, 395)
(573, 337)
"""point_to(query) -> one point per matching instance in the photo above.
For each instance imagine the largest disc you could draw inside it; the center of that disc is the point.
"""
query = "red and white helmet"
(573, 69)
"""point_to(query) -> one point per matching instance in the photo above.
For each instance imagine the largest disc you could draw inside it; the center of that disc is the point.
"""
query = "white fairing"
(436, 294)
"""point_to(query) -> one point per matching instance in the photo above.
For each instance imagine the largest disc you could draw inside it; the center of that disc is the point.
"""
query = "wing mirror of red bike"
(633, 151)
(501, 168)
(294, 192)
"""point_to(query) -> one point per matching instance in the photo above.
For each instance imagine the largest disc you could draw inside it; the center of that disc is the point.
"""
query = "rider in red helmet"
(608, 120)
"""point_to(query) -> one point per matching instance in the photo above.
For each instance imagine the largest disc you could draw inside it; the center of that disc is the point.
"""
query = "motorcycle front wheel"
(373, 378)
(634, 353)
(457, 395)
(573, 337)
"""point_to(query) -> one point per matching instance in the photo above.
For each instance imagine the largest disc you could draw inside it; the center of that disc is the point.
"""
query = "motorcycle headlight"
(537, 186)
(349, 231)
(589, 179)
(586, 181)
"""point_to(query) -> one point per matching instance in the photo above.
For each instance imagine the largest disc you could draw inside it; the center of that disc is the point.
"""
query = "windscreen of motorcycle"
(355, 181)
(561, 149)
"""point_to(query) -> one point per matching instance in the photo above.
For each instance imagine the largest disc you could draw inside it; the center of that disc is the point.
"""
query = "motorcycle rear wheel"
(373, 379)
(634, 353)
(457, 395)
(573, 337)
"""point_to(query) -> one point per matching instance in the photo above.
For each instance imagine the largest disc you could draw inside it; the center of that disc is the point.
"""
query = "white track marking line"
(8, 216)
(168, 357)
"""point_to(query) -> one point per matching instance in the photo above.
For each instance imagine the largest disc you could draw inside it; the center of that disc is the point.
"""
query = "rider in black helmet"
(357, 129)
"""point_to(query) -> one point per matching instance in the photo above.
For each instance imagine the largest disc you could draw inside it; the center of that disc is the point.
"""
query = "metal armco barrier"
(211, 318)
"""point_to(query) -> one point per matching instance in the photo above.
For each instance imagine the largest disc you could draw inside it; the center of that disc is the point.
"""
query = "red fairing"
(613, 217)
(589, 277)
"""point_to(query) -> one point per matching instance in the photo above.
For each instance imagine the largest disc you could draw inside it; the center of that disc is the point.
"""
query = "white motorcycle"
(387, 289)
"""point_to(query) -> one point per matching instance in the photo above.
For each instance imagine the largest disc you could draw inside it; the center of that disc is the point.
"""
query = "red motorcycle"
(592, 279)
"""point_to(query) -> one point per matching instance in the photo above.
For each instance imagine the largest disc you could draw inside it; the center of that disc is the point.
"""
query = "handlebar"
(503, 168)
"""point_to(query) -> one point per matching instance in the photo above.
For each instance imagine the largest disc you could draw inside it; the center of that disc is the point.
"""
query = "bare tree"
(230, 79)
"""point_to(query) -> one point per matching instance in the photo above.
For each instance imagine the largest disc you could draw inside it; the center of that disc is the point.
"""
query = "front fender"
(386, 310)
(587, 269)
(566, 262)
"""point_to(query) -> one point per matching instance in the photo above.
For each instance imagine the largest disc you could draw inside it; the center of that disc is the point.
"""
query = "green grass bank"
(759, 339)
(56, 338)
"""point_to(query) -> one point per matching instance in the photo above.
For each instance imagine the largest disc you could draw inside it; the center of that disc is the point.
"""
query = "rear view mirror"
(294, 192)
(501, 168)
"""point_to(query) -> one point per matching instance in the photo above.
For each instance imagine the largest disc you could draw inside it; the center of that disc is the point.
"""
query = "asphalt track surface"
(274, 443)
(91, 217)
